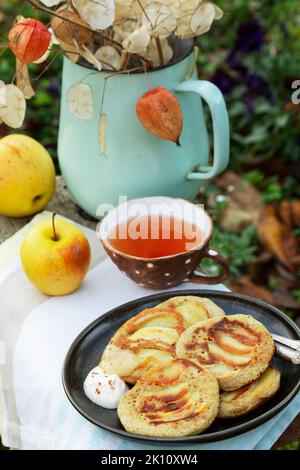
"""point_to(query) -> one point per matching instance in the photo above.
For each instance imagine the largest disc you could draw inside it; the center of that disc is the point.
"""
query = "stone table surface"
(62, 204)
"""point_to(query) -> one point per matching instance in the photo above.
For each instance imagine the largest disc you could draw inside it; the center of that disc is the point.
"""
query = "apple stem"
(55, 237)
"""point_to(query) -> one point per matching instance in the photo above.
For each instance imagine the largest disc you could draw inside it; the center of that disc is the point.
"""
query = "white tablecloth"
(36, 332)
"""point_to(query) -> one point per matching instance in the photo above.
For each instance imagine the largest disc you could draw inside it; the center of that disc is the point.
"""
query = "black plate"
(85, 352)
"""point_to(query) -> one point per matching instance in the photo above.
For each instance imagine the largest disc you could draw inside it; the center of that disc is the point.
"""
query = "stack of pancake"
(189, 363)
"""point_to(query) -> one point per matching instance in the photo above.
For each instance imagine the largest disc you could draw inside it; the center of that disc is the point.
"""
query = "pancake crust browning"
(180, 399)
(194, 309)
(149, 338)
(236, 348)
(144, 341)
(250, 396)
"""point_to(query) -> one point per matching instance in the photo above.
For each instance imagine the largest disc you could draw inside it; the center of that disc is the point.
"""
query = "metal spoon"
(287, 353)
(291, 343)
(287, 348)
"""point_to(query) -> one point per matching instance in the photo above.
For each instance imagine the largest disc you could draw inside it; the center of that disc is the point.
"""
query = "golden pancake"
(235, 348)
(194, 309)
(149, 338)
(180, 399)
(250, 396)
(145, 340)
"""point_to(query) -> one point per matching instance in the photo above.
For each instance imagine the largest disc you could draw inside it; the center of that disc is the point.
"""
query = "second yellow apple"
(55, 255)
(27, 176)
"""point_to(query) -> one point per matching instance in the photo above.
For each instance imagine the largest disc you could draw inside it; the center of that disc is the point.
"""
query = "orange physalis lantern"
(29, 39)
(160, 113)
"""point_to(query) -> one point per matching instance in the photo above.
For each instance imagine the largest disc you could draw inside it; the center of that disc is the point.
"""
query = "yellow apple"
(27, 176)
(55, 255)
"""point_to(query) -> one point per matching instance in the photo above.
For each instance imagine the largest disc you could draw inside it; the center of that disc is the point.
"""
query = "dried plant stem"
(128, 71)
(144, 11)
(160, 52)
(2, 51)
(113, 74)
(80, 25)
(103, 96)
(124, 60)
(68, 20)
(47, 66)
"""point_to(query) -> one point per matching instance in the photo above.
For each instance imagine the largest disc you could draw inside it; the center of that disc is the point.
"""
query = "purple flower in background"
(224, 81)
(250, 36)
(248, 100)
(258, 85)
(236, 63)
(54, 88)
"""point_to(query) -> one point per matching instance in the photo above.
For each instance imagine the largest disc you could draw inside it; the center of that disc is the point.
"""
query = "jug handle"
(214, 98)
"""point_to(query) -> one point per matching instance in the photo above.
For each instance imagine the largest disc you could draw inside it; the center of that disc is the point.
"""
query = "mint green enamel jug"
(136, 163)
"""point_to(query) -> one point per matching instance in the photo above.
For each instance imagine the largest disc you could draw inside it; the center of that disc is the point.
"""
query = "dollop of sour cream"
(103, 389)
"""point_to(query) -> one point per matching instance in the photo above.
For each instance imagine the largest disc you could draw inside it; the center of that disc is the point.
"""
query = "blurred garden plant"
(254, 59)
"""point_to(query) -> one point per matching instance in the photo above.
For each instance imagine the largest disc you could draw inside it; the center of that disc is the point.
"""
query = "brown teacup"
(163, 271)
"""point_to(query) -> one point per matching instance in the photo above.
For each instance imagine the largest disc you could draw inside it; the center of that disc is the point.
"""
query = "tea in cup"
(160, 242)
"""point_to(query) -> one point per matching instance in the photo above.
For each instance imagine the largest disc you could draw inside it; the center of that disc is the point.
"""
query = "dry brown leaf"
(244, 285)
(280, 297)
(296, 212)
(284, 299)
(23, 80)
(244, 203)
(289, 212)
(285, 212)
(277, 237)
(242, 191)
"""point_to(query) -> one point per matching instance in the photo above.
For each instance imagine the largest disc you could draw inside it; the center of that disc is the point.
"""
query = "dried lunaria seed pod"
(2, 98)
(122, 30)
(102, 133)
(137, 41)
(51, 3)
(159, 20)
(13, 112)
(197, 18)
(123, 10)
(160, 113)
(80, 101)
(90, 57)
(203, 18)
(65, 32)
(99, 14)
(29, 39)
(23, 80)
(153, 55)
(2, 94)
(109, 57)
